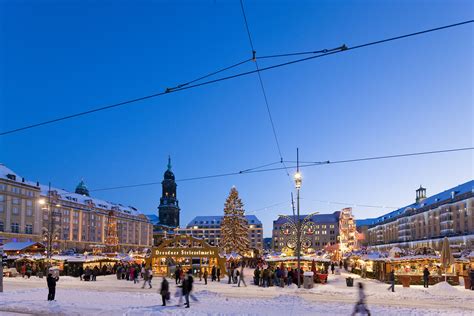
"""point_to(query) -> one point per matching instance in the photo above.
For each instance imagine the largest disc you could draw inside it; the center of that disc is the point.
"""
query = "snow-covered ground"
(109, 296)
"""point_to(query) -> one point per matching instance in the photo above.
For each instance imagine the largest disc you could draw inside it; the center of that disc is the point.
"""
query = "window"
(3, 187)
(29, 229)
(1, 208)
(29, 203)
(2, 198)
(15, 210)
(16, 190)
(323, 226)
(29, 212)
(324, 232)
(331, 226)
(15, 228)
(2, 228)
(15, 201)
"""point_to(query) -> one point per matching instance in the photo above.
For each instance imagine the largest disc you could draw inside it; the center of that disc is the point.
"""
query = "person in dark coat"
(165, 291)
(187, 288)
(177, 274)
(256, 276)
(392, 281)
(213, 274)
(426, 277)
(81, 272)
(205, 275)
(332, 267)
(95, 273)
(51, 281)
(471, 277)
(218, 273)
(361, 305)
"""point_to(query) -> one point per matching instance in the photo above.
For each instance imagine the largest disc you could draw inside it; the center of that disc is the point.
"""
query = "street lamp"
(50, 233)
(298, 181)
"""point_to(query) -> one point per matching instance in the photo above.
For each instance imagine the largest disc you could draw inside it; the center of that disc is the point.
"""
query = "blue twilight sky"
(61, 57)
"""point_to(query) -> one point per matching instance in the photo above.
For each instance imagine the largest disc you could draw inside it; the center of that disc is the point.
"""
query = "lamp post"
(50, 233)
(298, 182)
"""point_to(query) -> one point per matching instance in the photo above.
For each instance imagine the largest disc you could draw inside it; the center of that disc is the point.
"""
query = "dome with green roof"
(82, 188)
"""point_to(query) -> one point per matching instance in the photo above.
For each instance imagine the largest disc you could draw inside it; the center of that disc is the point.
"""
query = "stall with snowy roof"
(187, 253)
(281, 260)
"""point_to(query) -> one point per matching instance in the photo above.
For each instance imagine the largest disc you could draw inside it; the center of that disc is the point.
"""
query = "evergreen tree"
(234, 226)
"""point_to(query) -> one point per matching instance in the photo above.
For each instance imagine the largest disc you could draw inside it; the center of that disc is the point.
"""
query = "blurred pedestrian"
(361, 307)
(165, 291)
(392, 281)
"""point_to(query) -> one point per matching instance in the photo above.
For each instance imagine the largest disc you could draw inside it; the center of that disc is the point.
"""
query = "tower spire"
(169, 162)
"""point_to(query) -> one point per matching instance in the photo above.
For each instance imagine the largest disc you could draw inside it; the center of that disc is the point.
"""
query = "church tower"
(168, 211)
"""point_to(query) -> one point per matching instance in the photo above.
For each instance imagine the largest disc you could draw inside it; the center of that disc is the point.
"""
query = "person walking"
(165, 291)
(241, 277)
(213, 274)
(332, 267)
(187, 288)
(81, 272)
(95, 272)
(471, 277)
(392, 281)
(150, 276)
(176, 275)
(230, 273)
(205, 276)
(51, 281)
(218, 273)
(146, 276)
(290, 277)
(426, 277)
(285, 277)
(256, 276)
(361, 307)
(266, 277)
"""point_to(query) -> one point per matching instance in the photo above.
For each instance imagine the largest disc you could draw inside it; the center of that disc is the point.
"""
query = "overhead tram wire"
(191, 86)
(220, 175)
(254, 52)
(312, 163)
(208, 75)
(309, 164)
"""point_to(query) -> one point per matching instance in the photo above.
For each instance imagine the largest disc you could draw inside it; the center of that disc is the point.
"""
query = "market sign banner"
(179, 252)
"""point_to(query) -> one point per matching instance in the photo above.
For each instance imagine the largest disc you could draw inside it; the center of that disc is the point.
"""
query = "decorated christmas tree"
(234, 226)
(111, 239)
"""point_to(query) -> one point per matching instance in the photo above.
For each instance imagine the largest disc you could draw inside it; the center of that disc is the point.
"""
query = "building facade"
(427, 221)
(29, 211)
(320, 231)
(209, 229)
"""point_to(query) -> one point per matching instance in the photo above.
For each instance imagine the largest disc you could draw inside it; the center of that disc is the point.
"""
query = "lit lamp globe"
(298, 179)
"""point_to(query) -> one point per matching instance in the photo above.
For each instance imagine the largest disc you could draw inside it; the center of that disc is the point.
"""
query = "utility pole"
(298, 181)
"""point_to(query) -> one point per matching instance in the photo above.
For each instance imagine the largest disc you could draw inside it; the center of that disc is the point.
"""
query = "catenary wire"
(270, 117)
(311, 164)
(228, 78)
